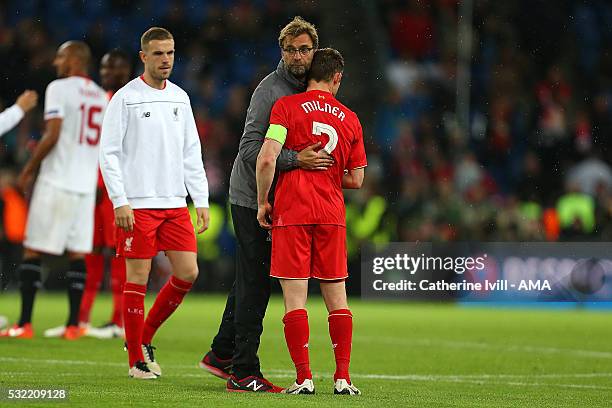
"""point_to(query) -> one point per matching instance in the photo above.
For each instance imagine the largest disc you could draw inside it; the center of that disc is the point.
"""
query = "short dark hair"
(119, 54)
(325, 63)
(296, 27)
(154, 33)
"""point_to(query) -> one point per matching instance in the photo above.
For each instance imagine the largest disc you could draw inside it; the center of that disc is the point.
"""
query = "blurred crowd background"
(533, 163)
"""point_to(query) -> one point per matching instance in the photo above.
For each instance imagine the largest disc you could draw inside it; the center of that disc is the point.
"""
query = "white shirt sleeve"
(54, 101)
(10, 118)
(195, 175)
(114, 127)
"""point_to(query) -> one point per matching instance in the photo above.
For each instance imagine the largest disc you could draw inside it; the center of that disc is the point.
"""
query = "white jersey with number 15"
(73, 163)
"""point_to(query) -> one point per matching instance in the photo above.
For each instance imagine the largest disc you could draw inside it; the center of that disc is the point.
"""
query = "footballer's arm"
(264, 174)
(353, 178)
(48, 141)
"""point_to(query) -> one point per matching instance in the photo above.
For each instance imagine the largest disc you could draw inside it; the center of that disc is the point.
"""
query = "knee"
(137, 276)
(188, 274)
(336, 303)
(294, 303)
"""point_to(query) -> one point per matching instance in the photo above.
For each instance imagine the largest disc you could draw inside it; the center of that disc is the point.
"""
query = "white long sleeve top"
(9, 118)
(150, 154)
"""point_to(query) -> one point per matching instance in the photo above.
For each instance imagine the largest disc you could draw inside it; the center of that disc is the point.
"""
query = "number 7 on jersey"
(319, 128)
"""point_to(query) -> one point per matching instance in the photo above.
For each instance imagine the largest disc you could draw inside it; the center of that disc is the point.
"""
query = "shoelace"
(142, 366)
(150, 349)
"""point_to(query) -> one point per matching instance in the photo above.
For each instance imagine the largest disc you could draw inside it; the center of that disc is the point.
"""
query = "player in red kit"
(150, 120)
(308, 218)
(115, 72)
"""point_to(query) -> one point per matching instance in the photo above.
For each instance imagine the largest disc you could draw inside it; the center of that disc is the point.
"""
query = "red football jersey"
(311, 196)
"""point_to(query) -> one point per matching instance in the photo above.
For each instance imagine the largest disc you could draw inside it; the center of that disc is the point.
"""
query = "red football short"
(309, 251)
(157, 230)
(104, 223)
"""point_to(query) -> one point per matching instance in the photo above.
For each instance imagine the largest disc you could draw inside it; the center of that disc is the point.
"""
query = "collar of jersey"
(145, 82)
(320, 91)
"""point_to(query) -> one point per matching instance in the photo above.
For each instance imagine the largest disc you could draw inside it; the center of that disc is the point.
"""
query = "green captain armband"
(278, 133)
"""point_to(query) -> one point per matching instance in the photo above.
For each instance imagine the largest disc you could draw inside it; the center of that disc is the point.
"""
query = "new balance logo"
(146, 114)
(253, 384)
(175, 113)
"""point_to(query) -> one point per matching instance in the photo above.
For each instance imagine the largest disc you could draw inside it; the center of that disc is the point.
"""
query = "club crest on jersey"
(175, 113)
(128, 244)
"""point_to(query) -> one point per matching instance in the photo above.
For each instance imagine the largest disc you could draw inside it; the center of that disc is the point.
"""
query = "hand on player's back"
(124, 218)
(27, 100)
(312, 159)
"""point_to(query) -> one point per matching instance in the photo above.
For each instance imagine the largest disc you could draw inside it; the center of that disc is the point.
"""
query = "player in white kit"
(60, 217)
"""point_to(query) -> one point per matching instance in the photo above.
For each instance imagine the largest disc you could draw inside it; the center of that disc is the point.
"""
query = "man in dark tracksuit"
(234, 348)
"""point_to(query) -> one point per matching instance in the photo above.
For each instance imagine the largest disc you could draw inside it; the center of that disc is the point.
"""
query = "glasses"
(302, 50)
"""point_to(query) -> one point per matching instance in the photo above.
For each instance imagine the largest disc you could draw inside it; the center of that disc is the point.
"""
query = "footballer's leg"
(330, 267)
(114, 327)
(341, 333)
(177, 238)
(94, 264)
(117, 282)
(78, 243)
(134, 290)
(291, 264)
(295, 292)
(76, 277)
(29, 282)
(184, 273)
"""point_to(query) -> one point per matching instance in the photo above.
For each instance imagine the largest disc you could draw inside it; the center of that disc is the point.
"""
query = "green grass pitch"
(417, 355)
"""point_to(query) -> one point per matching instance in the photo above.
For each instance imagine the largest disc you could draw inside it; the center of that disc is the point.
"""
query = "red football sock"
(117, 282)
(296, 335)
(341, 333)
(168, 299)
(133, 317)
(94, 266)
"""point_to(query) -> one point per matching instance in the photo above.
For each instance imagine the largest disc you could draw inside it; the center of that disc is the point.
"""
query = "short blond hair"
(154, 33)
(296, 27)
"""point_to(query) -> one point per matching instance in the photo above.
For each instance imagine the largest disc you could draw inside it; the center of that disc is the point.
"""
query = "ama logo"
(537, 285)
